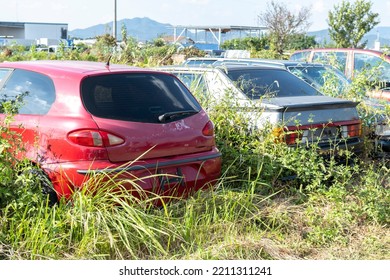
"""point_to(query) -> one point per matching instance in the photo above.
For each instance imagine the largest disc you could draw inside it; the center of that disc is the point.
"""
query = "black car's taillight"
(295, 134)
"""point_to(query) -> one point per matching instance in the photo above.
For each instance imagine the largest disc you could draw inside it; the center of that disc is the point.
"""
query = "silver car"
(316, 75)
(305, 115)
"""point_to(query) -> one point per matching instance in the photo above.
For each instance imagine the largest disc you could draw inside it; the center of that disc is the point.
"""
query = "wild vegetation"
(272, 202)
(282, 23)
(349, 22)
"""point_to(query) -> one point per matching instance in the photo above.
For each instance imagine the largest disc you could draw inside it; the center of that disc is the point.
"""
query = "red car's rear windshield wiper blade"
(171, 115)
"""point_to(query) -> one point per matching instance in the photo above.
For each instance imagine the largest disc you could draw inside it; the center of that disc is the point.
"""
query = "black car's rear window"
(139, 97)
(256, 83)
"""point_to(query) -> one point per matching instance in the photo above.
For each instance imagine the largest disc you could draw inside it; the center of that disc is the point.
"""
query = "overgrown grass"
(328, 211)
(272, 202)
(341, 221)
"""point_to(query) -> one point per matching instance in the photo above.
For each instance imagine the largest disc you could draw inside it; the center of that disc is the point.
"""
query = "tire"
(46, 186)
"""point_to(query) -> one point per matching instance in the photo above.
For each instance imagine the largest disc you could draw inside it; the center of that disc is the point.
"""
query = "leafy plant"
(349, 22)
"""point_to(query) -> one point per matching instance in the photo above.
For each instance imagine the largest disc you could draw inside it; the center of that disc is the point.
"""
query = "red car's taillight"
(208, 129)
(94, 138)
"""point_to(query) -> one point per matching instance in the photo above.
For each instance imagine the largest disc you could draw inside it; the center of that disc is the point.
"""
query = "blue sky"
(85, 13)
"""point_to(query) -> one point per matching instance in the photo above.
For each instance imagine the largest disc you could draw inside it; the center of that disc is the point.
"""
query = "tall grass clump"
(106, 223)
(9, 162)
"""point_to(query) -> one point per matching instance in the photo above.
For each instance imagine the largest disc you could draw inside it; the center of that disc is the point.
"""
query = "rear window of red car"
(138, 97)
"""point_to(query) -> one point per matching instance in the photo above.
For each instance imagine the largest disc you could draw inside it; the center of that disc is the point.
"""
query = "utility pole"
(115, 21)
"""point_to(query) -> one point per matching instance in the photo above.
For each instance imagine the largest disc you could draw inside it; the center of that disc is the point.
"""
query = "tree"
(282, 23)
(301, 41)
(349, 22)
(247, 43)
(104, 46)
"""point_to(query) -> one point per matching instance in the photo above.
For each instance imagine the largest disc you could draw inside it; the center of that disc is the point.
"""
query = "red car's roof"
(342, 49)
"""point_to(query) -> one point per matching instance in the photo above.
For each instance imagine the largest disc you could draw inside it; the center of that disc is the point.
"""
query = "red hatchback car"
(78, 118)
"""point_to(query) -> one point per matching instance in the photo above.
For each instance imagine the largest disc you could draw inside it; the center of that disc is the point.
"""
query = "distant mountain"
(146, 29)
(381, 33)
(143, 29)
(321, 36)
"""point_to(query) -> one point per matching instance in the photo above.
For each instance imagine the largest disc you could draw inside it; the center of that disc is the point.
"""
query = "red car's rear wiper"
(171, 115)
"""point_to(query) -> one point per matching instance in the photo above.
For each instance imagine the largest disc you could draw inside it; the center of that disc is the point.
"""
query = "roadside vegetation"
(272, 202)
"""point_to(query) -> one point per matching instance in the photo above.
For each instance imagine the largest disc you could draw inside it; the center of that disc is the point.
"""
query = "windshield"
(138, 97)
(256, 83)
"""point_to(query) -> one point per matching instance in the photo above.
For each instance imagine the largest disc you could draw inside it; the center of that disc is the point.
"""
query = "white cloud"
(57, 6)
(196, 2)
(319, 6)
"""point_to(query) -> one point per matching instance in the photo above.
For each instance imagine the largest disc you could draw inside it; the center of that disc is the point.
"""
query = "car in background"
(317, 74)
(378, 124)
(208, 60)
(306, 116)
(199, 61)
(139, 127)
(314, 74)
(352, 61)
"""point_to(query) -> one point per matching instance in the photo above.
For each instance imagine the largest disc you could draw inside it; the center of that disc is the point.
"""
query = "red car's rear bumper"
(176, 176)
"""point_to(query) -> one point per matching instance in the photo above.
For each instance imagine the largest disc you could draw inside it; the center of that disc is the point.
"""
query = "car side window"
(195, 82)
(300, 56)
(33, 92)
(336, 59)
(4, 74)
(366, 61)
